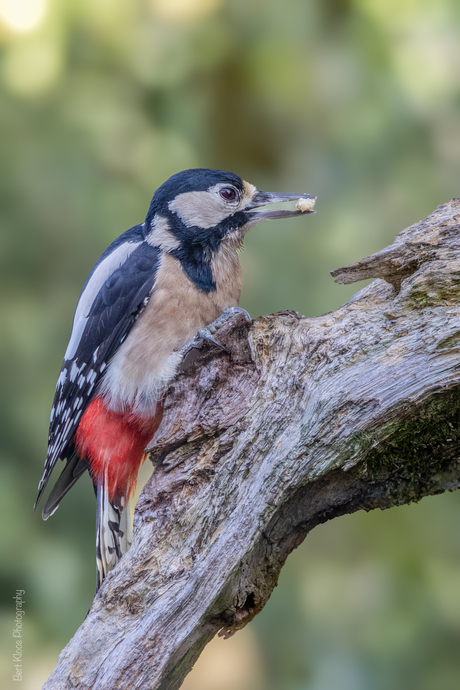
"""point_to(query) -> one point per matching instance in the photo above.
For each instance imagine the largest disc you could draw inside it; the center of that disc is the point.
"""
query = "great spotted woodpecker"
(143, 302)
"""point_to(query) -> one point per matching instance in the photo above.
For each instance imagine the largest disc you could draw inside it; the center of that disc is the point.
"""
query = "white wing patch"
(103, 271)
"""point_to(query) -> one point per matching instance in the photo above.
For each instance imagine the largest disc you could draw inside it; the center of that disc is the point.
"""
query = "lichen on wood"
(303, 420)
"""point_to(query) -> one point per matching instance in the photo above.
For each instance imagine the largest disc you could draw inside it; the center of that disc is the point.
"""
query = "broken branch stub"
(418, 244)
(304, 420)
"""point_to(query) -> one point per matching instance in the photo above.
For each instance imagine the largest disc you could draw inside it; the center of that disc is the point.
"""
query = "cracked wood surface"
(304, 420)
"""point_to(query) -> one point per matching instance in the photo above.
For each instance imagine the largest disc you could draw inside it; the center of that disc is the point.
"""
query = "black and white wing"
(116, 292)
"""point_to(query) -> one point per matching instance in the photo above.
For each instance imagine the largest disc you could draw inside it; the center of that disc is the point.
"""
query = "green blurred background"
(357, 101)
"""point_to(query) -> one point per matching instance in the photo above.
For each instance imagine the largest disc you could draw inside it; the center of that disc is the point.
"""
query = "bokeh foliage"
(356, 101)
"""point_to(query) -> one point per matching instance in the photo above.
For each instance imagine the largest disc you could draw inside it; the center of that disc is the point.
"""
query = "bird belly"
(145, 364)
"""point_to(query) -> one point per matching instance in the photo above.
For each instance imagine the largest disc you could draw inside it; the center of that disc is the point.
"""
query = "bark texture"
(304, 420)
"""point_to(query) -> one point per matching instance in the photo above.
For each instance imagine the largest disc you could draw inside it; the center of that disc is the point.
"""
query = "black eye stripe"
(228, 193)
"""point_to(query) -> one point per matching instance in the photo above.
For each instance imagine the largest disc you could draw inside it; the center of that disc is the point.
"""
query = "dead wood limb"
(307, 419)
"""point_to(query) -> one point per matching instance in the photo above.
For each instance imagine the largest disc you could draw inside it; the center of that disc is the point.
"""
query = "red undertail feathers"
(113, 444)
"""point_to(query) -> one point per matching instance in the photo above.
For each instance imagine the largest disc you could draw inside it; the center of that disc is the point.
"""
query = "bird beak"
(264, 198)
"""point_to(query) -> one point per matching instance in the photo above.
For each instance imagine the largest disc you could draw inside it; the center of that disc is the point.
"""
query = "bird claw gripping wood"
(207, 333)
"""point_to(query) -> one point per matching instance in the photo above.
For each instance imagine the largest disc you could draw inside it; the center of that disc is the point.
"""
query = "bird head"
(201, 208)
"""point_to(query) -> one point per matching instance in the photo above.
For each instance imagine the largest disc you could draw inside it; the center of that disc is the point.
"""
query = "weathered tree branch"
(305, 420)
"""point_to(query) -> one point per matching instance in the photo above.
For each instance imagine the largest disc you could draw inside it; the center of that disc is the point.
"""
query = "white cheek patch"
(201, 209)
(207, 209)
(105, 269)
(161, 235)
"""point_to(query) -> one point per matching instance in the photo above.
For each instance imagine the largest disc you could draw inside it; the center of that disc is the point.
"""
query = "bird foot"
(207, 334)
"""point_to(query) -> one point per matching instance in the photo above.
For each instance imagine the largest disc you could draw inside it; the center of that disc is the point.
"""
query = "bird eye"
(228, 193)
